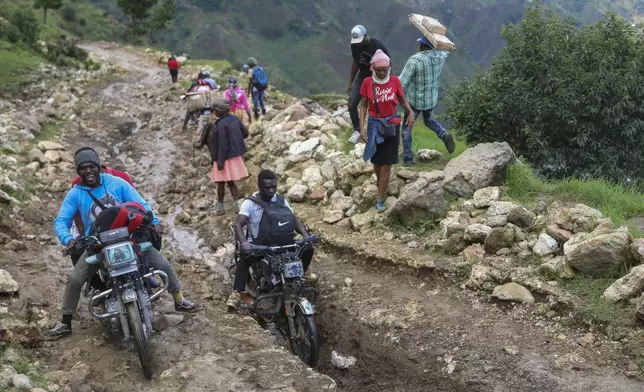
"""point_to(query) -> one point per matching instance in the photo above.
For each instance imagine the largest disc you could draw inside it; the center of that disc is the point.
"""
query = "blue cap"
(423, 40)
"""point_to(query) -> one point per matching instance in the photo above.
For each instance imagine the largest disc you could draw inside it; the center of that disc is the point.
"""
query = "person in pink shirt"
(238, 100)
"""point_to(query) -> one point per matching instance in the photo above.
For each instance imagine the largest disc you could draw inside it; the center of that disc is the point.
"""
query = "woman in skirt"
(225, 140)
(238, 100)
(381, 149)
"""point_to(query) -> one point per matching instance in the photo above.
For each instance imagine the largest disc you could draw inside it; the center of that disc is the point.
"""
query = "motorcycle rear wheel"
(306, 345)
(140, 339)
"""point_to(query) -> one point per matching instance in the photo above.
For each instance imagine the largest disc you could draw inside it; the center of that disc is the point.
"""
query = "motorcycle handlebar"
(81, 243)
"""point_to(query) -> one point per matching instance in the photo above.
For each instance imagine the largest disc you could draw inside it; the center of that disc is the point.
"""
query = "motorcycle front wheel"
(305, 344)
(140, 338)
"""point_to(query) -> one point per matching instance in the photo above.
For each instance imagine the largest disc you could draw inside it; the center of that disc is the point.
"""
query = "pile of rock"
(303, 145)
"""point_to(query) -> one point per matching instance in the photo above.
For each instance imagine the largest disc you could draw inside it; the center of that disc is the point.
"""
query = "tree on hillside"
(568, 98)
(147, 14)
(47, 5)
(163, 14)
(138, 11)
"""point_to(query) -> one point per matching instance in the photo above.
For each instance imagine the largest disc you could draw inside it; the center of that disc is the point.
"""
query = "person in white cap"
(363, 48)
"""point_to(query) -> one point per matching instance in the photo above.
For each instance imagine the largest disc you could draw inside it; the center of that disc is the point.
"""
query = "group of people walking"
(374, 95)
(375, 92)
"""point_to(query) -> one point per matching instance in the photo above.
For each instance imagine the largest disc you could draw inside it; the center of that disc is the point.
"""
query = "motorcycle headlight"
(121, 253)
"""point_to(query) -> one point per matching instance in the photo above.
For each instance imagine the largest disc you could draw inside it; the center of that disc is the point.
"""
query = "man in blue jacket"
(98, 190)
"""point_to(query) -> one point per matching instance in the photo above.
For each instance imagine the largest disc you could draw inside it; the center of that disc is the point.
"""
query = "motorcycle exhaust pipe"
(100, 316)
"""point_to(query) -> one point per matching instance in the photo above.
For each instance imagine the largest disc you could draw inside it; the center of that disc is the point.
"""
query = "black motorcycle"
(121, 288)
(283, 299)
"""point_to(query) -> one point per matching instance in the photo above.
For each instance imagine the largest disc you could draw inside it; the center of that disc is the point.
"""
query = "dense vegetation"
(567, 98)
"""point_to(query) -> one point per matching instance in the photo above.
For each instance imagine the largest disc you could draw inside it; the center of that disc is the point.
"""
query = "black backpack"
(277, 226)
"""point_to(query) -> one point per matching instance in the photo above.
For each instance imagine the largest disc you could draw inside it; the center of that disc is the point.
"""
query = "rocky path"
(409, 329)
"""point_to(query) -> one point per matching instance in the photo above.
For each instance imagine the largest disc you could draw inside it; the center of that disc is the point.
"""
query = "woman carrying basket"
(381, 94)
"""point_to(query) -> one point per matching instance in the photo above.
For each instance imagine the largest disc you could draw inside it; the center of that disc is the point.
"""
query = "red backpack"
(131, 215)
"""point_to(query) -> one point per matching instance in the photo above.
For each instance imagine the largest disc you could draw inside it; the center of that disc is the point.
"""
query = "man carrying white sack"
(419, 79)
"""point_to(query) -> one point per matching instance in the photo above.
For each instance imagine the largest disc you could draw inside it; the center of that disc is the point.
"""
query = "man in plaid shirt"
(420, 82)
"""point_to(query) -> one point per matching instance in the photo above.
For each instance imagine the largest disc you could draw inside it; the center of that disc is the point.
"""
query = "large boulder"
(521, 217)
(545, 245)
(599, 255)
(499, 238)
(627, 287)
(7, 284)
(500, 208)
(478, 167)
(303, 150)
(637, 250)
(485, 196)
(513, 292)
(312, 176)
(477, 233)
(577, 219)
(421, 199)
(298, 193)
(339, 201)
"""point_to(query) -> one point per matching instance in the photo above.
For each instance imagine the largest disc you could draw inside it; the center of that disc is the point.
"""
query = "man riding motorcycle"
(77, 227)
(250, 215)
(97, 191)
(203, 83)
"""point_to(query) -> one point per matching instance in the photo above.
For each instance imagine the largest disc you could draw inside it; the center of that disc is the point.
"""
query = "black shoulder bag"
(385, 129)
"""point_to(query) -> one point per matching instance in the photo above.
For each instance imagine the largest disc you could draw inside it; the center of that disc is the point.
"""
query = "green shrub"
(567, 98)
(25, 27)
(69, 14)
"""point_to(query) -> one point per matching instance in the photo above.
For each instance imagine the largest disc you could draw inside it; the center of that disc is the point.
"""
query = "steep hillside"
(304, 43)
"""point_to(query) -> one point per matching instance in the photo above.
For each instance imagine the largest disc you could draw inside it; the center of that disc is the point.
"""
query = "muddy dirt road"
(409, 331)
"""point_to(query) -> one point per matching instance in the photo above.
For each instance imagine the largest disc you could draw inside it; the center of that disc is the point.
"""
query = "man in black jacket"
(363, 48)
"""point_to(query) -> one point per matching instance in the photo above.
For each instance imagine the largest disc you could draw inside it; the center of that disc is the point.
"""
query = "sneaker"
(355, 137)
(380, 206)
(449, 142)
(408, 163)
(57, 331)
(311, 278)
(187, 306)
(233, 300)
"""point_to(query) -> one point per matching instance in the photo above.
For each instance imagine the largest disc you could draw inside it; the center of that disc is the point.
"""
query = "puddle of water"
(188, 243)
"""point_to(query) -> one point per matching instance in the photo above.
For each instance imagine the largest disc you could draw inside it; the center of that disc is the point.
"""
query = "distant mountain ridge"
(304, 44)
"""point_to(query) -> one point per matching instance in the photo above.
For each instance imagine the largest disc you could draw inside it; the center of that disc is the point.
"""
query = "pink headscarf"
(380, 59)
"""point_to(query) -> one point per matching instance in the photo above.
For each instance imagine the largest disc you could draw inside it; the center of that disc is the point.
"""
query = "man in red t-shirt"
(173, 66)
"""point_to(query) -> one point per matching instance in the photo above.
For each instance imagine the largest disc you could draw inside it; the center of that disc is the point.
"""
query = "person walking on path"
(173, 66)
(238, 100)
(381, 94)
(257, 84)
(419, 79)
(225, 140)
(363, 48)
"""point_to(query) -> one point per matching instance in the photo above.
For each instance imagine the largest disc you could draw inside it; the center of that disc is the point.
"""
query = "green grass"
(48, 131)
(25, 365)
(425, 138)
(615, 201)
(605, 316)
(18, 65)
(214, 66)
